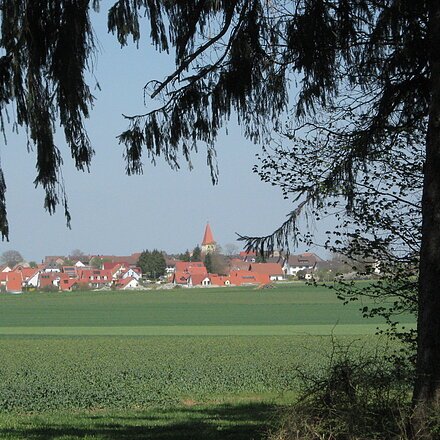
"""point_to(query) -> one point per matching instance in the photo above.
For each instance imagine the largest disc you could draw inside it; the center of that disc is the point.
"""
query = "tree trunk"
(427, 386)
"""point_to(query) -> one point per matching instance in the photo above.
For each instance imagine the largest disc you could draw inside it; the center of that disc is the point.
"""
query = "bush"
(356, 396)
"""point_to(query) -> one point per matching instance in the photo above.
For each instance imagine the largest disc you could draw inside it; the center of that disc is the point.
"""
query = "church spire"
(208, 243)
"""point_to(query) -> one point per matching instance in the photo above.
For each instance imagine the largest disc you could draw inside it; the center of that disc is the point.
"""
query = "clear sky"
(116, 214)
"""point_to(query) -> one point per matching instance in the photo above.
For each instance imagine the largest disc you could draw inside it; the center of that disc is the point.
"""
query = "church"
(208, 243)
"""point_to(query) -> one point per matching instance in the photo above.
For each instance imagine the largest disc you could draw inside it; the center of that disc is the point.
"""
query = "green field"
(285, 310)
(200, 363)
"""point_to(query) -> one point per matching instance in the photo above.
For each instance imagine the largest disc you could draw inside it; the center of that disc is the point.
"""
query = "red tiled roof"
(267, 268)
(218, 280)
(110, 265)
(87, 274)
(248, 254)
(124, 281)
(180, 277)
(208, 238)
(239, 277)
(190, 266)
(14, 282)
(28, 272)
(197, 278)
(67, 283)
(47, 278)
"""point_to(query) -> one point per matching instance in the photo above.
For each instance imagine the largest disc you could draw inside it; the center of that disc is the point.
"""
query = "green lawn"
(199, 364)
(234, 421)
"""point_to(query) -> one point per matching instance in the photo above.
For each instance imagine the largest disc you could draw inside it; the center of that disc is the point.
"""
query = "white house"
(128, 283)
(131, 273)
(295, 263)
(199, 280)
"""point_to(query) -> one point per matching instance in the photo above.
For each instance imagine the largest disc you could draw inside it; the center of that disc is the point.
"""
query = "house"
(248, 256)
(30, 276)
(185, 269)
(67, 284)
(127, 283)
(180, 278)
(273, 270)
(14, 282)
(219, 280)
(135, 273)
(3, 276)
(190, 267)
(306, 261)
(52, 267)
(198, 280)
(170, 265)
(238, 264)
(58, 260)
(95, 278)
(48, 280)
(70, 271)
(246, 277)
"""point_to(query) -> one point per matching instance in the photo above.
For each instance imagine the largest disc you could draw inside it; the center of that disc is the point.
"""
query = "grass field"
(293, 309)
(211, 363)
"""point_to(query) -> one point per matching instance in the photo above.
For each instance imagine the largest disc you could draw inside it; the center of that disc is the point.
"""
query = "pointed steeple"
(208, 243)
(208, 237)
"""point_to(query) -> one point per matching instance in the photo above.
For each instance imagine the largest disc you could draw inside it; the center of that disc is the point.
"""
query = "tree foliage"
(96, 262)
(186, 256)
(46, 48)
(380, 229)
(152, 263)
(208, 263)
(366, 76)
(11, 258)
(196, 254)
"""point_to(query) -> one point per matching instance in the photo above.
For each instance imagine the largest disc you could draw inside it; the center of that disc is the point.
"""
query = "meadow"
(199, 363)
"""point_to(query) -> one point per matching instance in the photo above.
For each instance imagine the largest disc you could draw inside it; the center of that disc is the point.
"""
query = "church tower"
(208, 243)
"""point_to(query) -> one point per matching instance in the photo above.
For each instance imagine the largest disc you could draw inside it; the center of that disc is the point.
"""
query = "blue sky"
(116, 214)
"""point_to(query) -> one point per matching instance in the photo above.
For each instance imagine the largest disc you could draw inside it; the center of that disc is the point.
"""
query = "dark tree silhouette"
(376, 59)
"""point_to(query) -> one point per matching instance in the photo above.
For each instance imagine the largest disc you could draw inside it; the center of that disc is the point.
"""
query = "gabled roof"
(208, 238)
(180, 277)
(190, 266)
(267, 268)
(239, 277)
(218, 280)
(110, 265)
(14, 282)
(86, 274)
(196, 279)
(125, 282)
(238, 264)
(28, 273)
(306, 259)
(67, 283)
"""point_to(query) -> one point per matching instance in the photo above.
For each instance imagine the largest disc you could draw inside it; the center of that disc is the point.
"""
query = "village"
(88, 272)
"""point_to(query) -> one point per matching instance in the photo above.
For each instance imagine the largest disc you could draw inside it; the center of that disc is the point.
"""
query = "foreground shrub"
(357, 396)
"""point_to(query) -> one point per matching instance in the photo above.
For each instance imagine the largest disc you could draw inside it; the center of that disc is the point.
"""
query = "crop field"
(89, 364)
(285, 310)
